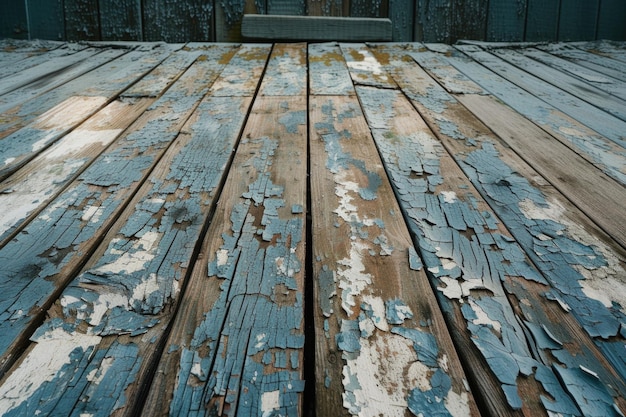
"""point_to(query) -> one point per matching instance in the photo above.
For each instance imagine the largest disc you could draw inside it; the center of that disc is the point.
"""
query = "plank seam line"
(309, 359)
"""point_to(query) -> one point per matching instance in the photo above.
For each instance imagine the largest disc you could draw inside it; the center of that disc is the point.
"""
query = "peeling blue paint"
(480, 261)
(257, 258)
(546, 242)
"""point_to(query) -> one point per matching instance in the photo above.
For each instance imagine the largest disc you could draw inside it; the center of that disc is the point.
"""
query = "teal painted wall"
(218, 20)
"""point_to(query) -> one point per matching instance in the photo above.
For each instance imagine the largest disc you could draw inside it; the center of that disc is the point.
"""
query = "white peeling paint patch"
(97, 375)
(449, 196)
(607, 290)
(142, 252)
(261, 339)
(352, 276)
(43, 363)
(378, 312)
(457, 404)
(554, 211)
(77, 140)
(104, 303)
(222, 257)
(145, 289)
(456, 289)
(367, 64)
(383, 389)
(483, 318)
(9, 161)
(41, 143)
(606, 283)
(270, 401)
(92, 213)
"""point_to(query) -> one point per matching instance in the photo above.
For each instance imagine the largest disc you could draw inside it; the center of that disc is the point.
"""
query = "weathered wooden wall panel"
(578, 20)
(369, 8)
(81, 20)
(612, 20)
(470, 19)
(542, 20)
(433, 21)
(402, 14)
(13, 20)
(120, 20)
(45, 18)
(506, 20)
(178, 21)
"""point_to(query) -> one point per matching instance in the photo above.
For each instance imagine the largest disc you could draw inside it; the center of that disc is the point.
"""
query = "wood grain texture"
(383, 331)
(78, 217)
(463, 135)
(605, 154)
(234, 361)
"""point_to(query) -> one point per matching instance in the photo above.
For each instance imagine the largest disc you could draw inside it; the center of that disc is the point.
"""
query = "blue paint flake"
(396, 311)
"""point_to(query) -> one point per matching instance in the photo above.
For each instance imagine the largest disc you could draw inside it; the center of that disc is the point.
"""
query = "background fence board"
(220, 20)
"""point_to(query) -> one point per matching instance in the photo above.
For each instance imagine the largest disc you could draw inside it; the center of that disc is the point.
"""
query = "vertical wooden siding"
(219, 20)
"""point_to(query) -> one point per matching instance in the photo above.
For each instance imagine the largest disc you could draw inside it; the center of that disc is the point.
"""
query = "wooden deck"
(312, 229)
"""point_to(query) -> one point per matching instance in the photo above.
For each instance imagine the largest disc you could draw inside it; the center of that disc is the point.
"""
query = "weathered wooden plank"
(82, 20)
(53, 61)
(57, 78)
(506, 21)
(464, 136)
(452, 80)
(364, 68)
(610, 20)
(578, 20)
(594, 62)
(120, 20)
(31, 54)
(243, 74)
(157, 80)
(13, 52)
(607, 84)
(442, 209)
(53, 247)
(328, 72)
(221, 357)
(106, 81)
(604, 48)
(180, 21)
(542, 18)
(46, 20)
(237, 344)
(315, 28)
(134, 279)
(27, 191)
(286, 73)
(606, 155)
(382, 328)
(605, 124)
(596, 195)
(25, 144)
(565, 82)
